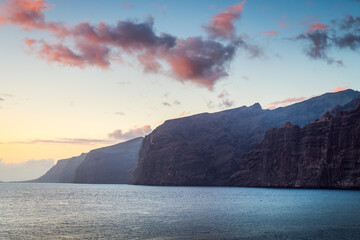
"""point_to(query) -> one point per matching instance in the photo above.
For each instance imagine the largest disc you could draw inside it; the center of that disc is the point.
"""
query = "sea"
(77, 211)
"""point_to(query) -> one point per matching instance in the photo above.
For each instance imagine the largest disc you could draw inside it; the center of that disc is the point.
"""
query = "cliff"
(113, 164)
(323, 154)
(63, 171)
(206, 149)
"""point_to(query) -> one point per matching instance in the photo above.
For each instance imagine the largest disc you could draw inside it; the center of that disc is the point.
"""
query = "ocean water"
(75, 211)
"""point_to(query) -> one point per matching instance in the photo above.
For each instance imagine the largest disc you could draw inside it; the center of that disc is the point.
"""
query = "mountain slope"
(206, 149)
(63, 171)
(323, 154)
(309, 110)
(113, 164)
(347, 107)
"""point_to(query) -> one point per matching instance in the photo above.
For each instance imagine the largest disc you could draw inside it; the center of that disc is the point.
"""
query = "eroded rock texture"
(323, 154)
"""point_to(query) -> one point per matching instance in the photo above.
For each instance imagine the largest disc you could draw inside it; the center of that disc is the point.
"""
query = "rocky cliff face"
(323, 154)
(63, 171)
(206, 149)
(113, 164)
(198, 150)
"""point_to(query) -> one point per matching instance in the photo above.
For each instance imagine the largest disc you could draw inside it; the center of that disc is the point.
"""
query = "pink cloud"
(25, 13)
(130, 134)
(183, 114)
(317, 26)
(271, 33)
(2, 20)
(89, 54)
(222, 24)
(30, 43)
(285, 102)
(223, 94)
(28, 14)
(194, 59)
(225, 101)
(338, 89)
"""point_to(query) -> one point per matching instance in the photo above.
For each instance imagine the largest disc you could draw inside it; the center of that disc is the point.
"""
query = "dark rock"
(206, 149)
(323, 154)
(113, 164)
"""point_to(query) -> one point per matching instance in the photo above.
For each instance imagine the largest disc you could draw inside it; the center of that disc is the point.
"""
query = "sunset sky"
(78, 75)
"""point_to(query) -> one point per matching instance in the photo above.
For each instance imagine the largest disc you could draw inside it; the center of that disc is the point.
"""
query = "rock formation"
(206, 149)
(323, 154)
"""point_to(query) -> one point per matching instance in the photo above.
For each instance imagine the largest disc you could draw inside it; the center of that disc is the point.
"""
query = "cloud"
(245, 77)
(77, 141)
(127, 5)
(87, 55)
(349, 40)
(320, 38)
(29, 15)
(222, 24)
(194, 59)
(1, 99)
(166, 104)
(202, 61)
(6, 95)
(318, 44)
(23, 171)
(317, 26)
(226, 103)
(183, 114)
(285, 102)
(349, 22)
(25, 13)
(338, 89)
(120, 113)
(132, 133)
(210, 104)
(271, 33)
(223, 94)
(177, 102)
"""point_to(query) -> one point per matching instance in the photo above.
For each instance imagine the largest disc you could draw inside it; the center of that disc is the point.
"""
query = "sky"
(79, 75)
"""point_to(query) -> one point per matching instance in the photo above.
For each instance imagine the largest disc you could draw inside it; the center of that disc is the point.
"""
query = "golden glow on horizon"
(16, 153)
